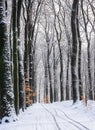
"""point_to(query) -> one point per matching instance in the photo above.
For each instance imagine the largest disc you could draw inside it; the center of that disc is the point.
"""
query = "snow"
(3, 21)
(55, 116)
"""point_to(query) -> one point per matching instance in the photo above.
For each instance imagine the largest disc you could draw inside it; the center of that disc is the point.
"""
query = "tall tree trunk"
(88, 53)
(94, 69)
(55, 78)
(67, 78)
(20, 60)
(49, 74)
(68, 58)
(74, 17)
(46, 80)
(15, 56)
(59, 37)
(61, 74)
(26, 52)
(79, 59)
(31, 49)
(6, 87)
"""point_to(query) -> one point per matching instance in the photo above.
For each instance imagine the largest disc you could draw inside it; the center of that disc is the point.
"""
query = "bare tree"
(15, 55)
(6, 87)
(88, 48)
(33, 9)
(20, 58)
(58, 31)
(74, 16)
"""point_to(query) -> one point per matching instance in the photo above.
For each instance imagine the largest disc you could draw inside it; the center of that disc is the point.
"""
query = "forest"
(47, 53)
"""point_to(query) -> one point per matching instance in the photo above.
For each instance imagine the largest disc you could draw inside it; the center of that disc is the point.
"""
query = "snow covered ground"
(56, 116)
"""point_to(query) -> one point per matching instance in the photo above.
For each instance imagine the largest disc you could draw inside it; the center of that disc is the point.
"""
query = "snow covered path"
(56, 116)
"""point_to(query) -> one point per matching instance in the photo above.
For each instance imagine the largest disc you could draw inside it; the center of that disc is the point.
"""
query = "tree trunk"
(15, 56)
(46, 81)
(61, 73)
(20, 61)
(79, 60)
(55, 78)
(88, 53)
(74, 17)
(6, 87)
(49, 74)
(68, 58)
(67, 79)
(26, 53)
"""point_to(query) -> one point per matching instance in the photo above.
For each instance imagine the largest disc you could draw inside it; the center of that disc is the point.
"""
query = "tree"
(15, 55)
(6, 86)
(74, 16)
(58, 31)
(88, 48)
(33, 9)
(20, 59)
(79, 57)
(49, 48)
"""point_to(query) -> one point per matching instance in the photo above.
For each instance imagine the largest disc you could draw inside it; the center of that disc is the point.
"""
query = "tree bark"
(6, 87)
(20, 60)
(88, 53)
(79, 60)
(54, 74)
(15, 55)
(74, 17)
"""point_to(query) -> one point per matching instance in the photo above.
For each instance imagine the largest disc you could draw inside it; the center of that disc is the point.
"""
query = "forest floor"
(55, 116)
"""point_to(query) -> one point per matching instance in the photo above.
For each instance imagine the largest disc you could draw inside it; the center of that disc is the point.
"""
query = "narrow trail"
(56, 123)
(48, 117)
(73, 121)
(66, 118)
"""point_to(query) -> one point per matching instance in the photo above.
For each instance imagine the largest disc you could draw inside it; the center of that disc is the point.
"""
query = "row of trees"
(48, 44)
(67, 54)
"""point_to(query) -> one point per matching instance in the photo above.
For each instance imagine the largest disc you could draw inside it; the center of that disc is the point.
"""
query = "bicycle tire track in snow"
(76, 124)
(69, 123)
(73, 121)
(57, 125)
(51, 117)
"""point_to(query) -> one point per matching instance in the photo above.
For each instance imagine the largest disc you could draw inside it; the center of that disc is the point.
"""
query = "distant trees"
(58, 31)
(85, 24)
(76, 82)
(32, 10)
(46, 51)
(87, 35)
